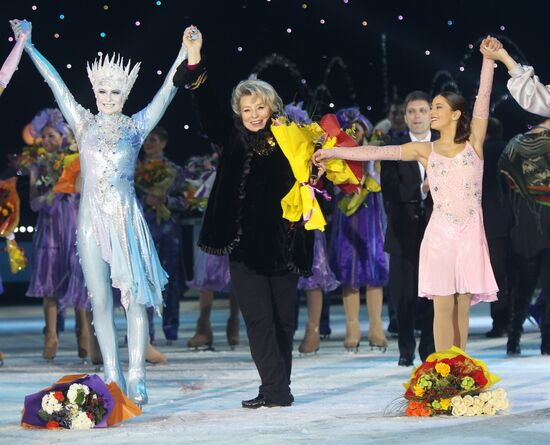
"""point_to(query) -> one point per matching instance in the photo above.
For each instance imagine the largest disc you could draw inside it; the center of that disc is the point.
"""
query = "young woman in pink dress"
(455, 269)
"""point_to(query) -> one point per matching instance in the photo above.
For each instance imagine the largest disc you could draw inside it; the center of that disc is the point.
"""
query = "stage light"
(102, 34)
(69, 66)
(322, 21)
(56, 35)
(138, 23)
(159, 72)
(30, 229)
(22, 229)
(427, 52)
(34, 7)
(364, 23)
(331, 105)
(449, 22)
(239, 48)
(400, 17)
(186, 127)
(289, 30)
(62, 16)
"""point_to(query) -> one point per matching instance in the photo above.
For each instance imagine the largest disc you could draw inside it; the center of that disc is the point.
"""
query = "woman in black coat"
(244, 219)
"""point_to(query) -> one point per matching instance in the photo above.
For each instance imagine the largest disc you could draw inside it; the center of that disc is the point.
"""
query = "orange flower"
(418, 409)
(59, 396)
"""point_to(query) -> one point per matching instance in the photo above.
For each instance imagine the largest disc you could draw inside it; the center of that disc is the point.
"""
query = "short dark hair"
(416, 95)
(160, 132)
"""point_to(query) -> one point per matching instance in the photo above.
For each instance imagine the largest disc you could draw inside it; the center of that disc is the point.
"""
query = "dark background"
(345, 62)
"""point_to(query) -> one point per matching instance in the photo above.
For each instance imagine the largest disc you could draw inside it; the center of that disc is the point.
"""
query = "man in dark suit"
(409, 205)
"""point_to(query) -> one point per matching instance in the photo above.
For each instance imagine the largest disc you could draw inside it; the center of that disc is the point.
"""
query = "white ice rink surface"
(340, 396)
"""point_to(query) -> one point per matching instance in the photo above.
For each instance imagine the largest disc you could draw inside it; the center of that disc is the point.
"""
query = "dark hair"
(533, 119)
(494, 128)
(160, 132)
(416, 95)
(457, 102)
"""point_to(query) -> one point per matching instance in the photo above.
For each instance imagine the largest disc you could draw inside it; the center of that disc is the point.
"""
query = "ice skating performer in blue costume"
(114, 243)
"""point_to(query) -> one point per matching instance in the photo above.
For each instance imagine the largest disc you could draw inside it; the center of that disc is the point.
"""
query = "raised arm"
(10, 65)
(524, 86)
(69, 107)
(149, 117)
(480, 115)
(214, 120)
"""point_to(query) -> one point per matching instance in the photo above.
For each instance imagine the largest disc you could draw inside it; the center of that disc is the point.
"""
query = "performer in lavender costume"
(114, 242)
(358, 256)
(56, 273)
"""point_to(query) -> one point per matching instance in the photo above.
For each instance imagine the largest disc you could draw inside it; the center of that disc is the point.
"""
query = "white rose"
(457, 401)
(81, 422)
(478, 410)
(485, 396)
(489, 410)
(478, 402)
(458, 411)
(470, 411)
(502, 404)
(468, 400)
(499, 393)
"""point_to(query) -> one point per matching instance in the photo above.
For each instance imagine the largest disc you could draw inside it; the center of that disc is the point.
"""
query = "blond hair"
(256, 88)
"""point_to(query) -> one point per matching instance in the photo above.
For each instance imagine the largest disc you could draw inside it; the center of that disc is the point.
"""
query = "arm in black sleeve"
(393, 188)
(213, 119)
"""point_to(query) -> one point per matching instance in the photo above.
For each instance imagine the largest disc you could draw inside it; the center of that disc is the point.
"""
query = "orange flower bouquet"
(452, 382)
(9, 219)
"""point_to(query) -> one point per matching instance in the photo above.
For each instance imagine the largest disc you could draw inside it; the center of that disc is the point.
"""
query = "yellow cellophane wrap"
(16, 256)
(297, 144)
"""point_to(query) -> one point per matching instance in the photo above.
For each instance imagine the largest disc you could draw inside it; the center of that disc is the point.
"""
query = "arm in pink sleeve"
(369, 153)
(481, 106)
(10, 65)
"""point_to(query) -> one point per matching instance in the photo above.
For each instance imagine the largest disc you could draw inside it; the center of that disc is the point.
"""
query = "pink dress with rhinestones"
(454, 257)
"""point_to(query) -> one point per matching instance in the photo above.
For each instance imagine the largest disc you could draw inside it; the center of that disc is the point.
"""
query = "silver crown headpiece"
(112, 70)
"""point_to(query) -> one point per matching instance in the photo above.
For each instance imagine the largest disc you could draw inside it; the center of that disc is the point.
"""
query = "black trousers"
(410, 309)
(499, 252)
(530, 272)
(267, 304)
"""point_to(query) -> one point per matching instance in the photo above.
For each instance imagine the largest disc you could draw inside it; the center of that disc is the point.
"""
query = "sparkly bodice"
(455, 185)
(108, 151)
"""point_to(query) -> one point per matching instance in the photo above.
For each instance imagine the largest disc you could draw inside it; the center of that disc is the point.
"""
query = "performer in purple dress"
(323, 280)
(358, 256)
(54, 263)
